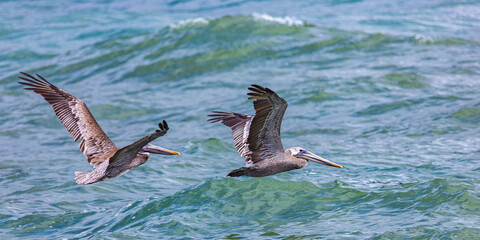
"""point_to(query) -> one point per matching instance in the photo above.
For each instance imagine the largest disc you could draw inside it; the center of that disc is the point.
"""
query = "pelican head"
(299, 152)
(150, 148)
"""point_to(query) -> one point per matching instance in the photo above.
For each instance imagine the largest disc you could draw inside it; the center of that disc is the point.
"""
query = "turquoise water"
(390, 90)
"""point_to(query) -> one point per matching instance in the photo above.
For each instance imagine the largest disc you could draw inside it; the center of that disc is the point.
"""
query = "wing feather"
(127, 153)
(264, 139)
(240, 125)
(75, 116)
(256, 137)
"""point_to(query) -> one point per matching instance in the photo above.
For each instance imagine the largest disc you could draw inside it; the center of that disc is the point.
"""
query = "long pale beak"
(312, 157)
(158, 150)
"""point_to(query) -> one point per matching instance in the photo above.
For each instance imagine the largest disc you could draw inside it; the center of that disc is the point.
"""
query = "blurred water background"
(388, 89)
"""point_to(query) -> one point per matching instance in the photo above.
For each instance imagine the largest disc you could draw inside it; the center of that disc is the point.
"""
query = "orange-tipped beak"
(158, 150)
(312, 157)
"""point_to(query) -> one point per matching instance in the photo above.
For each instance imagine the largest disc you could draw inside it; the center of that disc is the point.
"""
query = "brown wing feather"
(264, 138)
(75, 116)
(125, 155)
(240, 125)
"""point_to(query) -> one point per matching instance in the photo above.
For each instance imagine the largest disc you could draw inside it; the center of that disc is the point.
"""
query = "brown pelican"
(257, 138)
(108, 160)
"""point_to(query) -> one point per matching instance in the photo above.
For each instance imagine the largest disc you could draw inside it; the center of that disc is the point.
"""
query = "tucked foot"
(239, 172)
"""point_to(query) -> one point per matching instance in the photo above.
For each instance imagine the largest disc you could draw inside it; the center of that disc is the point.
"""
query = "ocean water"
(388, 89)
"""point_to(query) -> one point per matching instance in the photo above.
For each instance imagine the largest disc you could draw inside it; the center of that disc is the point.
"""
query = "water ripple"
(390, 93)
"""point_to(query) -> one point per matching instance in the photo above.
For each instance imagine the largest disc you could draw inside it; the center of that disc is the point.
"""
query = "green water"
(390, 90)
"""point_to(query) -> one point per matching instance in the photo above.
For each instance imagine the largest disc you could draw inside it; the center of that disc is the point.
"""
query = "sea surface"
(388, 89)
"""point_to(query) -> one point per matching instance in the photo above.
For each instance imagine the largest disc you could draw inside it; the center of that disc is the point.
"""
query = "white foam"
(290, 21)
(192, 21)
(423, 39)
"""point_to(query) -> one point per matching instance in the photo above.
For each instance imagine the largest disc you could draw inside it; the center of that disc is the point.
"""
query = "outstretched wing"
(75, 116)
(256, 137)
(240, 125)
(127, 153)
(264, 137)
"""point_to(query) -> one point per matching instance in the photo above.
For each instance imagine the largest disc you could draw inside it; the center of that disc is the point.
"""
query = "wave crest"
(287, 20)
(191, 21)
(290, 21)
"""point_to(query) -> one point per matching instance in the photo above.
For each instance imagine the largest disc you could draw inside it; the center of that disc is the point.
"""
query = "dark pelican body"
(257, 138)
(107, 159)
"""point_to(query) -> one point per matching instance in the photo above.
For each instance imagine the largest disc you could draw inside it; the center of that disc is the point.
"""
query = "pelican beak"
(312, 157)
(158, 150)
